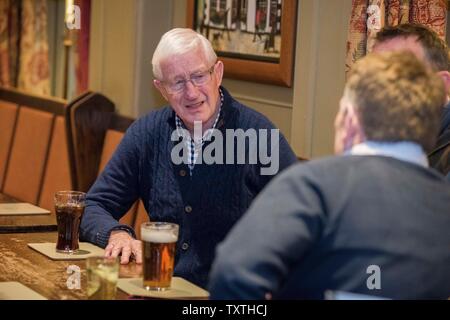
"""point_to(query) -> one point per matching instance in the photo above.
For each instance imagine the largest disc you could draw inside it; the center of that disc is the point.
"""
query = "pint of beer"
(69, 207)
(159, 240)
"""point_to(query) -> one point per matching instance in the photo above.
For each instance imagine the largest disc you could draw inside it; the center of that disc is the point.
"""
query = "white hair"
(177, 42)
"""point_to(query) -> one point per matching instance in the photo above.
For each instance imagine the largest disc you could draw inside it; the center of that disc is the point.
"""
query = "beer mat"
(17, 291)
(20, 208)
(49, 249)
(180, 289)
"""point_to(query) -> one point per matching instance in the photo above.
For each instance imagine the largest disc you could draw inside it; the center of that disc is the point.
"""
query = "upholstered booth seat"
(28, 154)
(57, 174)
(8, 114)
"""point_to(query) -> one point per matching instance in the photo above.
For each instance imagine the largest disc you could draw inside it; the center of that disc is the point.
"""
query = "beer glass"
(69, 207)
(102, 275)
(159, 240)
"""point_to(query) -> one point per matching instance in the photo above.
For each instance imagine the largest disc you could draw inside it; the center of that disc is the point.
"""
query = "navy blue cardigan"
(205, 205)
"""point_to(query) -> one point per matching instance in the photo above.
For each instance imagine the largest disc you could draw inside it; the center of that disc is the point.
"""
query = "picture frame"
(255, 39)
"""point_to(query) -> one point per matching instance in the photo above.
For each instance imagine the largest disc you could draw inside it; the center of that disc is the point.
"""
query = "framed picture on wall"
(255, 39)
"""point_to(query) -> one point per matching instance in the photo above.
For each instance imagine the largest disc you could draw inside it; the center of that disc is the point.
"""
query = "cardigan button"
(182, 172)
(188, 209)
(185, 246)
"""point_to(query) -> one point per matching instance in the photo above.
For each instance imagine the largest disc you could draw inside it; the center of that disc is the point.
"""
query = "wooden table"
(20, 263)
(25, 223)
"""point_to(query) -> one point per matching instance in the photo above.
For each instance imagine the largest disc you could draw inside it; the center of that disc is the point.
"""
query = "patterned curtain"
(9, 42)
(24, 45)
(369, 16)
(34, 75)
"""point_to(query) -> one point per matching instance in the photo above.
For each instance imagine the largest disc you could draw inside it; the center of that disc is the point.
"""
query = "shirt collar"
(405, 151)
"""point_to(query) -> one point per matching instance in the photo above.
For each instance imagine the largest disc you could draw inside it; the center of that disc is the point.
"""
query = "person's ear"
(218, 72)
(160, 88)
(339, 129)
(348, 129)
(353, 128)
(445, 76)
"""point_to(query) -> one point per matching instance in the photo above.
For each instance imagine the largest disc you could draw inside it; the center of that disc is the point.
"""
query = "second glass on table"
(69, 207)
(159, 240)
(102, 276)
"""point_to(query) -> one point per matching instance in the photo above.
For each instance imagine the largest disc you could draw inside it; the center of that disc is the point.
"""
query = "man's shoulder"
(154, 119)
(314, 169)
(256, 115)
(354, 165)
(158, 114)
(352, 172)
(153, 125)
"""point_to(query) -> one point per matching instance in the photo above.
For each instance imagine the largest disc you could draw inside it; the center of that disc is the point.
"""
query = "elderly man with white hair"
(204, 195)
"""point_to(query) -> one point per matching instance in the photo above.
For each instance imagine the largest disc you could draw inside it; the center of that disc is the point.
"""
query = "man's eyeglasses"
(198, 79)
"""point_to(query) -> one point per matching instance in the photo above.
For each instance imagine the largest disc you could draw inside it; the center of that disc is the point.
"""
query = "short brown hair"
(397, 98)
(435, 48)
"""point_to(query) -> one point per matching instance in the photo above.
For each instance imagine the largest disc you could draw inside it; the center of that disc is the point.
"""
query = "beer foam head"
(158, 236)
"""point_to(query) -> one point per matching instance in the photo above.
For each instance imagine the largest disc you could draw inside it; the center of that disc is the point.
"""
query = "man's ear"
(219, 72)
(354, 133)
(445, 76)
(160, 88)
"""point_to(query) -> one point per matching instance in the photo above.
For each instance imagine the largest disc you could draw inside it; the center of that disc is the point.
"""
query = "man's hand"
(121, 242)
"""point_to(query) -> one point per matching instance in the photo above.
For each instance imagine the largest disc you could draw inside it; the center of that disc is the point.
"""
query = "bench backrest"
(29, 152)
(87, 122)
(8, 116)
(33, 147)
